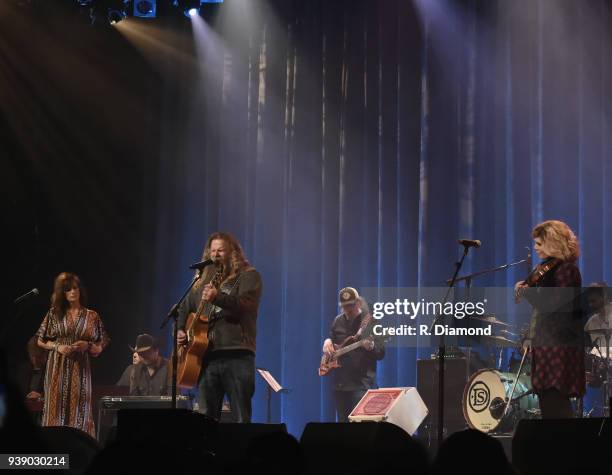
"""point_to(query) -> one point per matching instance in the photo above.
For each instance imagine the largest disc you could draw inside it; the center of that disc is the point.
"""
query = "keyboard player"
(151, 376)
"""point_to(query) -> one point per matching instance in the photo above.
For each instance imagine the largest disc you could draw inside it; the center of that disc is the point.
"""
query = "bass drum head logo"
(479, 396)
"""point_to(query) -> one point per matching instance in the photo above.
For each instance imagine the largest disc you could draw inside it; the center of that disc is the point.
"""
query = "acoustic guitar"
(191, 353)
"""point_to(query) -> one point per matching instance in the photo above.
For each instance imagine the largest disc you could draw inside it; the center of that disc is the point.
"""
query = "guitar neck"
(205, 307)
(348, 348)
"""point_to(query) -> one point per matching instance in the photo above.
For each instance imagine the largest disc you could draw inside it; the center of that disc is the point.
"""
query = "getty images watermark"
(412, 310)
(418, 317)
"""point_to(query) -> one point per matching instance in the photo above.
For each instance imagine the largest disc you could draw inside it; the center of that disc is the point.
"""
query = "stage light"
(105, 12)
(145, 8)
(115, 16)
(189, 8)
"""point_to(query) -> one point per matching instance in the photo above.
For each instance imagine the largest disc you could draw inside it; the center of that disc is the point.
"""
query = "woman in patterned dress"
(71, 333)
(557, 337)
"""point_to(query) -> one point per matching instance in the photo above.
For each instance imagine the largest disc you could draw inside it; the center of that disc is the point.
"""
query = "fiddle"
(536, 276)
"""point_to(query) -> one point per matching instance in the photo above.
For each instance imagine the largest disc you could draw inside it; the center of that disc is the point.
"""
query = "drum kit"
(598, 365)
(495, 400)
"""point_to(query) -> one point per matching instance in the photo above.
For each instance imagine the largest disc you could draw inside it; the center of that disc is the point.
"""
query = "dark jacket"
(126, 376)
(144, 384)
(233, 320)
(358, 367)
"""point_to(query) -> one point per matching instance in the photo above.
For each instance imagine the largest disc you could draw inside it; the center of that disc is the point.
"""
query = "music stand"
(271, 385)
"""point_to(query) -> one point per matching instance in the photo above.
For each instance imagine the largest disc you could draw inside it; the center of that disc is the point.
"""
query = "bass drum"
(485, 397)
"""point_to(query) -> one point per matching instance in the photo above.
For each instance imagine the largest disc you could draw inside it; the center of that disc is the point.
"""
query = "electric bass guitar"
(329, 362)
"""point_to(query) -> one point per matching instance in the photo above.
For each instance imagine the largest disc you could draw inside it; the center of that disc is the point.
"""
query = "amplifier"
(109, 406)
(455, 380)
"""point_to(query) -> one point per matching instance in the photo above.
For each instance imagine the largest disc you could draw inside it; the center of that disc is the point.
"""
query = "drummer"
(601, 316)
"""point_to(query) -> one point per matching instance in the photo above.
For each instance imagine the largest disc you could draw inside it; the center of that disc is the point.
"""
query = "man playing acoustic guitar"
(356, 372)
(228, 295)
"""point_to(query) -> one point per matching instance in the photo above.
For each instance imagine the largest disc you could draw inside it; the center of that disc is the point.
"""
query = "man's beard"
(222, 265)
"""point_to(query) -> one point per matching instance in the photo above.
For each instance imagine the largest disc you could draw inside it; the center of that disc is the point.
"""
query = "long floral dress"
(68, 398)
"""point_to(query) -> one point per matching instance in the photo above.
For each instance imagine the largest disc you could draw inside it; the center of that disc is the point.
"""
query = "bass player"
(357, 371)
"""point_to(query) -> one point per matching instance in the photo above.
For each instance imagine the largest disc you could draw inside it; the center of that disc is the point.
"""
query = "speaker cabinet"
(368, 447)
(562, 446)
(455, 380)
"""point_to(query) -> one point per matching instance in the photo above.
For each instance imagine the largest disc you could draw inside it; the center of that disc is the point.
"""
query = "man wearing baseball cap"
(357, 371)
(150, 376)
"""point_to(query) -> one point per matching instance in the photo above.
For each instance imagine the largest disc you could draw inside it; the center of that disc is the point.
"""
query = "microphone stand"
(173, 315)
(469, 277)
(442, 349)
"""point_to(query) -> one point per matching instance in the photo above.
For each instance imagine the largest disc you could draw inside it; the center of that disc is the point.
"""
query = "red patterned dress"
(68, 378)
(558, 338)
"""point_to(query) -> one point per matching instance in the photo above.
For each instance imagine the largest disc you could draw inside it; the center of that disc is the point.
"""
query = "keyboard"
(143, 402)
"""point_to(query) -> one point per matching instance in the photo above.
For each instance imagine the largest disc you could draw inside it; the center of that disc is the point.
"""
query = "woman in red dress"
(557, 337)
(71, 333)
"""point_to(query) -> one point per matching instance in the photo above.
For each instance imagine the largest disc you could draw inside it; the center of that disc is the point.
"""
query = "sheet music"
(273, 383)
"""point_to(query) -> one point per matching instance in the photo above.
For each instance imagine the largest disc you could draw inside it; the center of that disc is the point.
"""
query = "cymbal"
(510, 334)
(499, 342)
(490, 319)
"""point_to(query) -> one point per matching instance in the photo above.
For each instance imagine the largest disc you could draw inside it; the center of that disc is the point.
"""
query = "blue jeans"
(231, 375)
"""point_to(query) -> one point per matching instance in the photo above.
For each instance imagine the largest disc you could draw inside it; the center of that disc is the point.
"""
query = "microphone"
(469, 242)
(26, 296)
(202, 264)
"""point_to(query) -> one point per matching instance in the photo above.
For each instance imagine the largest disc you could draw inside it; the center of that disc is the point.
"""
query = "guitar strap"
(227, 288)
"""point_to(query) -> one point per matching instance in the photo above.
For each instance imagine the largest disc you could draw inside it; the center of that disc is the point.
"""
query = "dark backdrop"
(343, 143)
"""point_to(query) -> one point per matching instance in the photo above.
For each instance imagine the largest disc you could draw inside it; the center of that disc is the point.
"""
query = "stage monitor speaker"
(158, 440)
(368, 447)
(233, 439)
(81, 447)
(157, 426)
(400, 406)
(455, 380)
(562, 446)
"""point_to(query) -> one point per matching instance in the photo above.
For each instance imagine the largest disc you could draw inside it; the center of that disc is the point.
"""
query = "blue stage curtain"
(353, 143)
